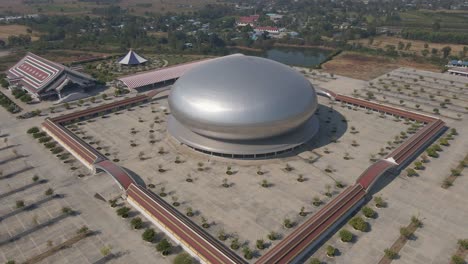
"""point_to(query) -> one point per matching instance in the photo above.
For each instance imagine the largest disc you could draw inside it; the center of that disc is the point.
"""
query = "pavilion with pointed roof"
(132, 58)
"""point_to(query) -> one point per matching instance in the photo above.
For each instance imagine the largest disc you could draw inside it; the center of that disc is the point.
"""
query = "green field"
(449, 21)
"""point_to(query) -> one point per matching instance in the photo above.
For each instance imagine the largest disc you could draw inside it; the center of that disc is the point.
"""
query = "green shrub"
(331, 251)
(247, 253)
(368, 212)
(463, 243)
(39, 134)
(457, 260)
(45, 139)
(49, 192)
(33, 130)
(19, 204)
(57, 150)
(315, 261)
(390, 253)
(137, 223)
(123, 212)
(164, 247)
(50, 145)
(411, 172)
(404, 231)
(346, 236)
(379, 202)
(148, 235)
(183, 258)
(358, 223)
(260, 244)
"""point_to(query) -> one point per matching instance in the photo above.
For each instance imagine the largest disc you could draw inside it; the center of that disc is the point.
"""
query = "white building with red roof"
(42, 78)
(269, 29)
(247, 20)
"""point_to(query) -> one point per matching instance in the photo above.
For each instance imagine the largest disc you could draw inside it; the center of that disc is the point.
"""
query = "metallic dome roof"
(241, 97)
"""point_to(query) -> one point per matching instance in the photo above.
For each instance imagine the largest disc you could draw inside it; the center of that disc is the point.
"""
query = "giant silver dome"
(242, 97)
(242, 105)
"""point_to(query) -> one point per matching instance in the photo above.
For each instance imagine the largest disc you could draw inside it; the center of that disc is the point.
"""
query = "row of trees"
(438, 37)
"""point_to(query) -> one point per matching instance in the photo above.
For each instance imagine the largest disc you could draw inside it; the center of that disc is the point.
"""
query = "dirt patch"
(15, 30)
(367, 67)
(416, 45)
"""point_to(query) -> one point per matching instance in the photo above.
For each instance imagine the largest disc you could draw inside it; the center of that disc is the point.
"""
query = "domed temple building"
(243, 107)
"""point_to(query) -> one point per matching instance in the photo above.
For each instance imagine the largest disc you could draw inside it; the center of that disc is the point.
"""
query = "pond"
(291, 56)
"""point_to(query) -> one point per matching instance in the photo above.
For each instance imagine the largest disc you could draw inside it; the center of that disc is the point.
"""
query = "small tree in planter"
(260, 244)
(49, 192)
(19, 204)
(416, 221)
(35, 178)
(183, 258)
(162, 192)
(113, 203)
(200, 166)
(455, 172)
(205, 223)
(189, 212)
(300, 178)
(164, 247)
(329, 169)
(463, 243)
(175, 201)
(331, 251)
(315, 261)
(225, 183)
(287, 223)
(418, 165)
(123, 212)
(189, 178)
(265, 183)
(358, 223)
(136, 223)
(222, 235)
(161, 151)
(379, 202)
(288, 168)
(177, 160)
(368, 212)
(316, 201)
(247, 252)
(260, 171)
(404, 231)
(328, 192)
(411, 172)
(346, 236)
(339, 184)
(457, 260)
(229, 170)
(235, 244)
(272, 235)
(390, 254)
(148, 235)
(302, 212)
